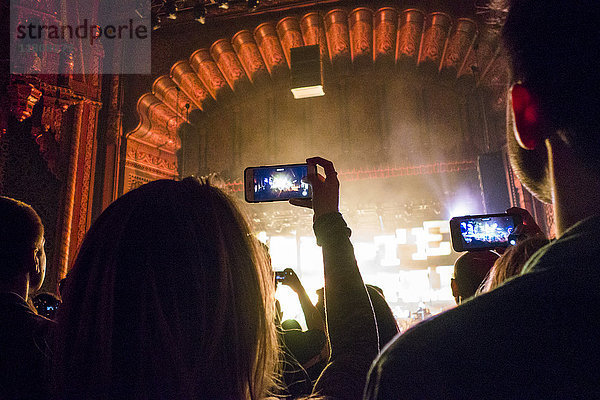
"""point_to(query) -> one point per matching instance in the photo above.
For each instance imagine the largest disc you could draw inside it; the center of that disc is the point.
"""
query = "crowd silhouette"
(172, 297)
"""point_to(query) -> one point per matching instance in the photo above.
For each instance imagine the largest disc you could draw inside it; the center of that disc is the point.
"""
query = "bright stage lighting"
(283, 252)
(282, 182)
(390, 250)
(464, 205)
(411, 265)
(459, 209)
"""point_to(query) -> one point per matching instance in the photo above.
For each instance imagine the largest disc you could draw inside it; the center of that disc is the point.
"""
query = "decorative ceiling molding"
(387, 38)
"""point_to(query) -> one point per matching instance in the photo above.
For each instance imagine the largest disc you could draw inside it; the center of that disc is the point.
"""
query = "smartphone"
(280, 276)
(483, 232)
(276, 183)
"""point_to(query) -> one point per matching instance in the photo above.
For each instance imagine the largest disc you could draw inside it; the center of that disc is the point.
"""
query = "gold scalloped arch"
(388, 37)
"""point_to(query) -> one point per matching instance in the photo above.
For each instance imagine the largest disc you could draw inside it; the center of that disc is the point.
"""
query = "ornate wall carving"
(222, 52)
(410, 28)
(386, 24)
(270, 48)
(249, 55)
(387, 37)
(313, 32)
(361, 36)
(434, 39)
(23, 96)
(290, 35)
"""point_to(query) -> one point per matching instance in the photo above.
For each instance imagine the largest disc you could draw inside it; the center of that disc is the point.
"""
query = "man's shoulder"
(482, 316)
(17, 318)
(510, 338)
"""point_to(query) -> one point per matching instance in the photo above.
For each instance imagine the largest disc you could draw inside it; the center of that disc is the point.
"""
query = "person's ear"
(36, 274)
(527, 117)
(31, 261)
(454, 287)
(37, 262)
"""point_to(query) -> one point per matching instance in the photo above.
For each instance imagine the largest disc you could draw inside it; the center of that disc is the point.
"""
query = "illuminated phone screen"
(478, 233)
(280, 182)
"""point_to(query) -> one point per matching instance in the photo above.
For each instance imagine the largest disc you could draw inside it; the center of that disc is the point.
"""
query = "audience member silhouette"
(169, 297)
(470, 270)
(536, 336)
(387, 327)
(23, 349)
(308, 347)
(301, 350)
(311, 314)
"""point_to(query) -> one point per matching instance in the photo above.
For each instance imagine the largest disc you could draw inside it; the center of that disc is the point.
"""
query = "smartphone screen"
(482, 232)
(280, 276)
(275, 183)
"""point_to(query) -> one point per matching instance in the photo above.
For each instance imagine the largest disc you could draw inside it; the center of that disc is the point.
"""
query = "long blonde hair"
(169, 297)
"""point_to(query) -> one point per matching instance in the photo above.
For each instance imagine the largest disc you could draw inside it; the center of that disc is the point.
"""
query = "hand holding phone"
(326, 189)
(283, 276)
(529, 227)
(483, 232)
(291, 280)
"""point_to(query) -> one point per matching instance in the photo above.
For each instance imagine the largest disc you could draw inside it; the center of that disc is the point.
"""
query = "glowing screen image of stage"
(483, 232)
(282, 182)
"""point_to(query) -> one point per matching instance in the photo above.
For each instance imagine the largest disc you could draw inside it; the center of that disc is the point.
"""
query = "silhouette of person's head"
(22, 256)
(291, 324)
(555, 104)
(169, 297)
(470, 270)
(386, 323)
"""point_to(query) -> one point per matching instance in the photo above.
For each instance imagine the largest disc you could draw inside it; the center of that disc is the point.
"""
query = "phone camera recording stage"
(276, 183)
(483, 232)
(486, 233)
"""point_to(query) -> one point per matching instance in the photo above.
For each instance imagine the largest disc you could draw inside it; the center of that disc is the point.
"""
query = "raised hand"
(325, 189)
(291, 280)
(529, 227)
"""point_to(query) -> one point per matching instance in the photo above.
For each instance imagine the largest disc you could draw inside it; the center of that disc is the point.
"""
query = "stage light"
(171, 9)
(464, 205)
(307, 80)
(252, 4)
(155, 22)
(199, 12)
(223, 4)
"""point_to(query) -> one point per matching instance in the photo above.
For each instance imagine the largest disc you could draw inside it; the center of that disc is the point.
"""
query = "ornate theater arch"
(351, 41)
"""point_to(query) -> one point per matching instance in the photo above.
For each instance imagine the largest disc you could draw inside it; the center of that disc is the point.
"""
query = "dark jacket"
(23, 349)
(536, 337)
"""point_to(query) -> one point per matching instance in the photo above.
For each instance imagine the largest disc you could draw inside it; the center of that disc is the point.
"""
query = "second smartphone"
(276, 183)
(482, 232)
